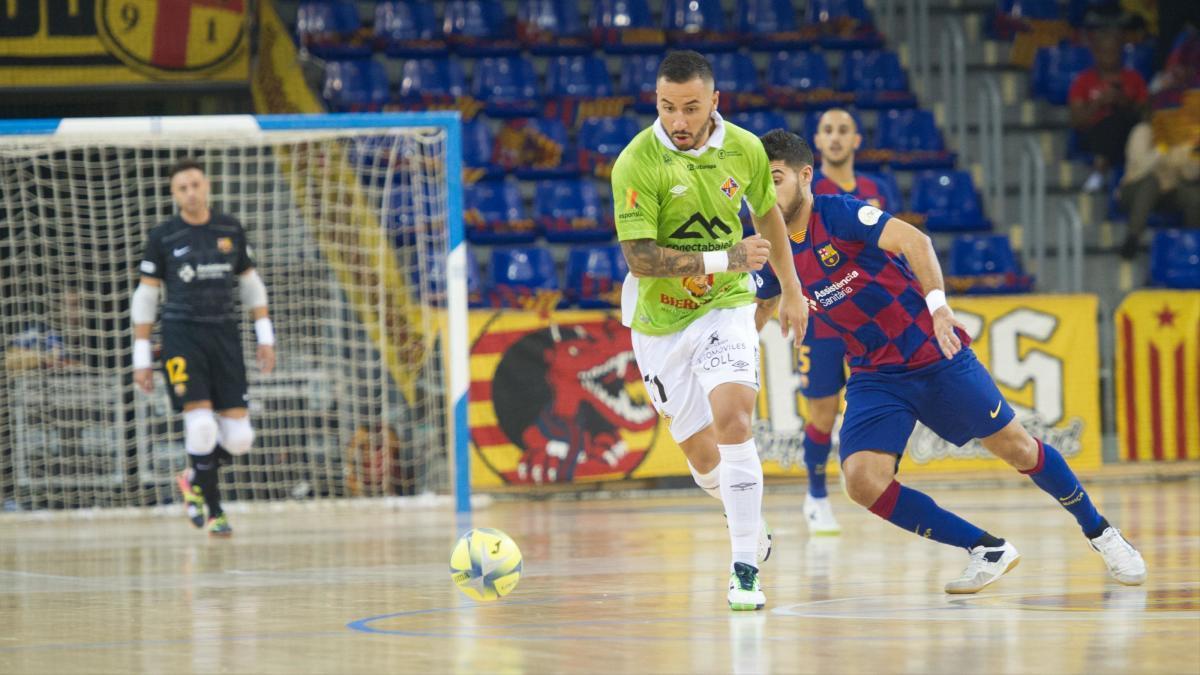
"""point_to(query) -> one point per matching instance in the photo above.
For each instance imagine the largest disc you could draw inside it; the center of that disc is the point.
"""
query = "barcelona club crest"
(829, 255)
(173, 39)
(225, 245)
(730, 187)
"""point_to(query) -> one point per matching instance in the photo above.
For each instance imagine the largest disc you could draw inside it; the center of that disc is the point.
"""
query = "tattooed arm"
(647, 259)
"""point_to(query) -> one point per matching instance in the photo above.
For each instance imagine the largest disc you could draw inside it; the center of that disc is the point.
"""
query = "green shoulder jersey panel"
(689, 203)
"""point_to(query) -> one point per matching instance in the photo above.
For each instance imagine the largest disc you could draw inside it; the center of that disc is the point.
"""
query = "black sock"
(204, 476)
(223, 456)
(1099, 529)
(989, 541)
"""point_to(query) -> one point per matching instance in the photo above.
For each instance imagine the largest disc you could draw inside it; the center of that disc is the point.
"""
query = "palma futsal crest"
(173, 39)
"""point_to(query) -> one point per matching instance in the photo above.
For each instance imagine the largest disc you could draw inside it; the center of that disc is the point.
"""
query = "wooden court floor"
(610, 586)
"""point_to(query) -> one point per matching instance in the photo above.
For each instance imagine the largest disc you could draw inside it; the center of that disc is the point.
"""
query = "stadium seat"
(431, 82)
(1054, 68)
(876, 79)
(479, 28)
(568, 210)
(1013, 16)
(843, 24)
(1175, 259)
(507, 85)
(797, 80)
(578, 77)
(769, 25)
(495, 214)
(519, 275)
(759, 122)
(478, 150)
(737, 80)
(639, 74)
(625, 26)
(985, 264)
(408, 29)
(1140, 57)
(330, 29)
(949, 201)
(594, 276)
(913, 139)
(548, 27)
(697, 24)
(534, 148)
(474, 284)
(355, 86)
(601, 140)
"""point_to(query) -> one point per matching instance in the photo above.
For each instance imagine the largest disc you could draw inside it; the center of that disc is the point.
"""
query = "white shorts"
(679, 370)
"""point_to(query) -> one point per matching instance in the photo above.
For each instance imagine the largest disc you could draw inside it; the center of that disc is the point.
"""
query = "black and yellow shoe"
(193, 499)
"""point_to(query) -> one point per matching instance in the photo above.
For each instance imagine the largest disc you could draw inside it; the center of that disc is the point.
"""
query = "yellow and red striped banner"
(1158, 375)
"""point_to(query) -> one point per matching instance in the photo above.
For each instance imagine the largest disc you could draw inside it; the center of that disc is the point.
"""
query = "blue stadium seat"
(507, 85)
(408, 29)
(1140, 57)
(330, 29)
(594, 276)
(518, 275)
(1013, 16)
(759, 122)
(601, 139)
(949, 201)
(479, 28)
(797, 80)
(985, 265)
(495, 214)
(1175, 259)
(769, 25)
(535, 148)
(431, 81)
(568, 210)
(552, 27)
(913, 139)
(625, 26)
(474, 284)
(578, 76)
(639, 75)
(876, 79)
(737, 80)
(843, 24)
(355, 86)
(1054, 68)
(478, 151)
(697, 24)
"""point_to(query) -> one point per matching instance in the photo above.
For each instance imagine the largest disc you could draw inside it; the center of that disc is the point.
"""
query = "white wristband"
(935, 300)
(142, 357)
(264, 331)
(716, 261)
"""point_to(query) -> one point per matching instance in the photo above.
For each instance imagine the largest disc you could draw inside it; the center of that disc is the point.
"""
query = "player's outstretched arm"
(900, 238)
(647, 259)
(793, 308)
(254, 297)
(143, 310)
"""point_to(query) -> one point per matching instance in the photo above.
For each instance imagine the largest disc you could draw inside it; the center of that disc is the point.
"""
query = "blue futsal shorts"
(955, 398)
(822, 366)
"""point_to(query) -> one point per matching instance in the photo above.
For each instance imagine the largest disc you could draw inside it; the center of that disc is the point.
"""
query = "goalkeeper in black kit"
(199, 260)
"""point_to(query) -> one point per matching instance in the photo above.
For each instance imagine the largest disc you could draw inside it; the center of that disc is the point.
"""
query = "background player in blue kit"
(910, 361)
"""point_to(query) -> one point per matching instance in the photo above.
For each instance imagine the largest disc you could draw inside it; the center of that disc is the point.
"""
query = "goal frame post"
(454, 334)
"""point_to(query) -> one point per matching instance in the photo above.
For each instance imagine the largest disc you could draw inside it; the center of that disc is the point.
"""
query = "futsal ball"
(485, 564)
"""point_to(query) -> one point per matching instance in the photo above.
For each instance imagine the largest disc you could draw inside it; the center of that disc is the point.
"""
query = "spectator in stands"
(1181, 71)
(1106, 100)
(1157, 177)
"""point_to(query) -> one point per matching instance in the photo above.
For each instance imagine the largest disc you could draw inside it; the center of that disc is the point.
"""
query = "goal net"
(351, 229)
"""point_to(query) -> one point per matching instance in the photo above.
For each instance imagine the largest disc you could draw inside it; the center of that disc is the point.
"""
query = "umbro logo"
(678, 190)
(180, 252)
(742, 487)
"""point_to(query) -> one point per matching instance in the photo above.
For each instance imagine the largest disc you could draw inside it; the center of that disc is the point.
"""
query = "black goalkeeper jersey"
(199, 266)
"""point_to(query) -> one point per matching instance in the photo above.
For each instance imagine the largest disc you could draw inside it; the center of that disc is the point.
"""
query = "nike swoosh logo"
(996, 412)
(181, 251)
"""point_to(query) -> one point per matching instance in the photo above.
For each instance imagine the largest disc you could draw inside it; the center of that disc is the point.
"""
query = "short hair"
(684, 66)
(786, 147)
(841, 110)
(185, 164)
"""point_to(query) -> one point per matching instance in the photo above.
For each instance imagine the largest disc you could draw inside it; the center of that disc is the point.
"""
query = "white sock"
(741, 478)
(709, 482)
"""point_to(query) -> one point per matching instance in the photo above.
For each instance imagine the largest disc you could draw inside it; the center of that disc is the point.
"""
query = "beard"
(705, 131)
(793, 209)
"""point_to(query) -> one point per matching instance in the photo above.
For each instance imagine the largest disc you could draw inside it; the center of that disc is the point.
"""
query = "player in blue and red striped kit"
(910, 361)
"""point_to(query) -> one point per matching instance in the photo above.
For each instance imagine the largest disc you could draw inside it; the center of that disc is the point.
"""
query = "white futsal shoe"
(986, 566)
(819, 514)
(1124, 562)
(745, 593)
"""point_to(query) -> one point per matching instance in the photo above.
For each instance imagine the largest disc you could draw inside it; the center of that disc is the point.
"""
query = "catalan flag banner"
(1158, 375)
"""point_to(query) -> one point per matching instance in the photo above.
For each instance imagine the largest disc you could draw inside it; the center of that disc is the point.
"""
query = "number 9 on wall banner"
(1042, 351)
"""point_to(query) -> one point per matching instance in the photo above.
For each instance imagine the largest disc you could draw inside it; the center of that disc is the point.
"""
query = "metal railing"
(991, 144)
(1032, 206)
(953, 68)
(1069, 226)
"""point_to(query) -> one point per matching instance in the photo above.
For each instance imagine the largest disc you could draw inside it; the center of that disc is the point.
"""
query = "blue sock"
(917, 512)
(1056, 478)
(816, 455)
